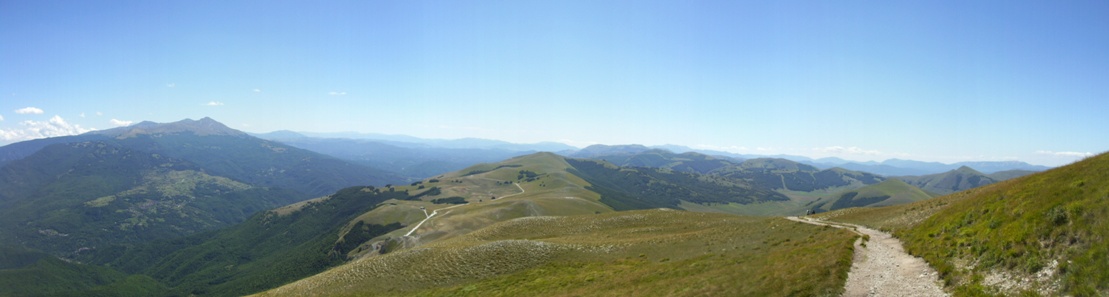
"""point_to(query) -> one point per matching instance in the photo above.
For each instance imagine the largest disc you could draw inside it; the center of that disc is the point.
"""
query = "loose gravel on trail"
(882, 268)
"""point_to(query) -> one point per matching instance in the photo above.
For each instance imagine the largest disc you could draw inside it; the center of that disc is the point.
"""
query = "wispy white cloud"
(334, 93)
(257, 90)
(1, 118)
(99, 113)
(1065, 154)
(120, 123)
(29, 110)
(82, 114)
(54, 127)
(214, 103)
(171, 85)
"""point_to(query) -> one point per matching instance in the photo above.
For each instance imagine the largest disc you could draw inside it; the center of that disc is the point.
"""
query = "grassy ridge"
(1039, 234)
(649, 252)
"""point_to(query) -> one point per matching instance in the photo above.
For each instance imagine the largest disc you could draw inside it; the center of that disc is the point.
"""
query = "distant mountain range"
(896, 167)
(418, 158)
(891, 167)
(809, 187)
(410, 157)
(411, 142)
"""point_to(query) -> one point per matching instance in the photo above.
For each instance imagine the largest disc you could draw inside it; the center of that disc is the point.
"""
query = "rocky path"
(882, 268)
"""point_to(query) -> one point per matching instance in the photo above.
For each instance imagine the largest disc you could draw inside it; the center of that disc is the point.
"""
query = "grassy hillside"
(1009, 174)
(1038, 234)
(494, 194)
(889, 192)
(650, 252)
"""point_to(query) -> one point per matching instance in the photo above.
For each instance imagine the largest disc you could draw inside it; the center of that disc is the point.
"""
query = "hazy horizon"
(940, 81)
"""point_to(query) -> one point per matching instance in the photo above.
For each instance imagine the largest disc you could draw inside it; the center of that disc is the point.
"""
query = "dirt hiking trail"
(882, 268)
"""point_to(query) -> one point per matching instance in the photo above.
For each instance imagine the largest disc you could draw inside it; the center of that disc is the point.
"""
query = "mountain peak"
(202, 127)
(967, 169)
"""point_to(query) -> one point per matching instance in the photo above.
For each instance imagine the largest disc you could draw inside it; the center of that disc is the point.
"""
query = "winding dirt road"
(882, 268)
(429, 217)
(435, 212)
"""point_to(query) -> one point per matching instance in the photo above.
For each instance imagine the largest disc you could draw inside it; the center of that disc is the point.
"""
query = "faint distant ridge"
(898, 167)
(202, 127)
(411, 141)
(890, 167)
(412, 157)
(280, 135)
(598, 150)
(998, 166)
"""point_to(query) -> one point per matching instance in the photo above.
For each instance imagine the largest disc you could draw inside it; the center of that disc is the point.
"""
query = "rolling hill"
(889, 192)
(640, 188)
(658, 158)
(769, 173)
(802, 185)
(600, 150)
(1041, 234)
(782, 174)
(949, 182)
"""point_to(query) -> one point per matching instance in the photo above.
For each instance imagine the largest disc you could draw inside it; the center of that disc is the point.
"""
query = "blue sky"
(924, 80)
